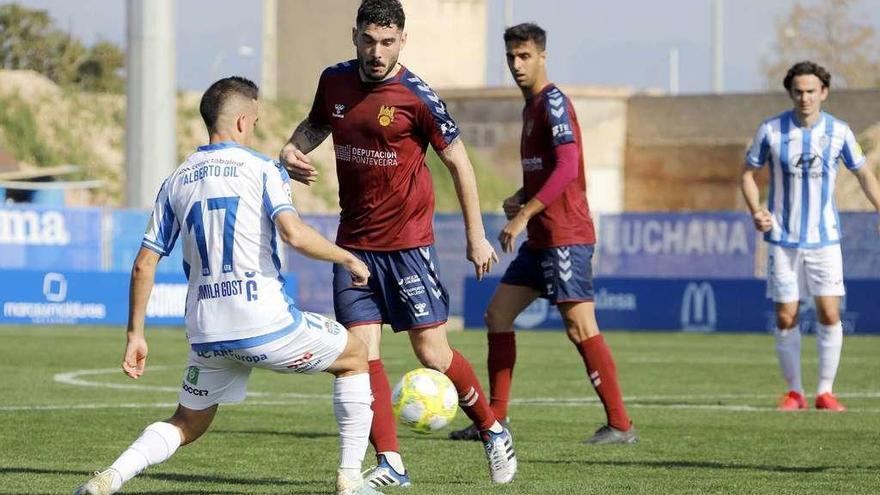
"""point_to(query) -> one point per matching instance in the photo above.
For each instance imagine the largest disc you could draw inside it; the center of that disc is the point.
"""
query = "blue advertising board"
(126, 233)
(697, 305)
(718, 245)
(96, 298)
(34, 237)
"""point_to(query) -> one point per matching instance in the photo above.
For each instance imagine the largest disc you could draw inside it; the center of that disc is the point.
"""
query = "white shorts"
(793, 273)
(221, 376)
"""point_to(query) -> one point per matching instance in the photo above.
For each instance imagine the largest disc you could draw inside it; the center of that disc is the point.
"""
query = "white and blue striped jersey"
(223, 200)
(803, 169)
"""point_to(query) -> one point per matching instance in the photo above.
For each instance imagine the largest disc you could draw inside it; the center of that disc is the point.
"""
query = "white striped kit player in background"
(230, 204)
(803, 147)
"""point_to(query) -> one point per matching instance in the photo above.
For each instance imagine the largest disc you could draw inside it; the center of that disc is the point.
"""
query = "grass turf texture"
(703, 405)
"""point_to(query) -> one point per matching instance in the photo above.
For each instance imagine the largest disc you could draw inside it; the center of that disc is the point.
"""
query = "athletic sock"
(603, 375)
(829, 341)
(156, 444)
(470, 395)
(351, 405)
(502, 358)
(788, 351)
(383, 434)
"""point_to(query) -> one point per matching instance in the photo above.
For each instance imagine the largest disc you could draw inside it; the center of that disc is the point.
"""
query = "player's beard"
(366, 69)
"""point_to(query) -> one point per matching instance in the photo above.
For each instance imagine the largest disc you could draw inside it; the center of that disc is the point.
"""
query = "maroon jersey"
(380, 133)
(549, 121)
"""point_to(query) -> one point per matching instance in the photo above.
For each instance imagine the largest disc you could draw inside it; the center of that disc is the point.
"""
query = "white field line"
(74, 378)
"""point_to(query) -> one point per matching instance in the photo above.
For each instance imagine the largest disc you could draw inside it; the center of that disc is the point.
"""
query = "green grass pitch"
(703, 405)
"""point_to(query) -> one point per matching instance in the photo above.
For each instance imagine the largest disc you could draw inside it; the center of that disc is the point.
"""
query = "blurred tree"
(831, 33)
(30, 41)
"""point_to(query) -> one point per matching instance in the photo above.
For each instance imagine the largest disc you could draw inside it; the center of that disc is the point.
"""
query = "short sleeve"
(558, 114)
(163, 226)
(756, 156)
(276, 190)
(851, 153)
(433, 118)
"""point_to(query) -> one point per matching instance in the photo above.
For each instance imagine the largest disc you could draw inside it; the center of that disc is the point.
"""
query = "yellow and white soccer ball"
(424, 400)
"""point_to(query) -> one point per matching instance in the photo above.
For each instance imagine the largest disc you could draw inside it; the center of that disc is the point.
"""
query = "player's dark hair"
(219, 92)
(522, 33)
(383, 13)
(807, 68)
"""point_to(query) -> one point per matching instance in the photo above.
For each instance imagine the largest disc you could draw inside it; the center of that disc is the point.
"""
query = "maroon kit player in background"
(382, 118)
(554, 262)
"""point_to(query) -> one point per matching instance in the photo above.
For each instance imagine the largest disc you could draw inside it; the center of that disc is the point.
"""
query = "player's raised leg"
(507, 302)
(583, 331)
(432, 349)
(156, 444)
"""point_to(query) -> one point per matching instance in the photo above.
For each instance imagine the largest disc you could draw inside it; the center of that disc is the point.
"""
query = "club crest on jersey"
(339, 110)
(386, 115)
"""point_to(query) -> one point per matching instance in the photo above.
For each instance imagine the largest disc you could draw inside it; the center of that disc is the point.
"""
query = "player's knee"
(433, 358)
(828, 316)
(495, 321)
(786, 320)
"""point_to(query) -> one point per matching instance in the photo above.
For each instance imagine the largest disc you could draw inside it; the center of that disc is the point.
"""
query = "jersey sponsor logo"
(31, 227)
(338, 111)
(386, 115)
(363, 156)
(448, 127)
(809, 165)
(698, 307)
(532, 164)
(561, 130)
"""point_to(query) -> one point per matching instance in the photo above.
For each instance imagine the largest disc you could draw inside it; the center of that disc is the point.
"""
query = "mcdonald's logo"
(698, 308)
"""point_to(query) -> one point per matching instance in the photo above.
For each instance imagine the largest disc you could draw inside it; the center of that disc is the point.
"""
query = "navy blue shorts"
(560, 274)
(404, 291)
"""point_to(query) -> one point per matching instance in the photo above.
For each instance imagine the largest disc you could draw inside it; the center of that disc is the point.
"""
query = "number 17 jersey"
(223, 201)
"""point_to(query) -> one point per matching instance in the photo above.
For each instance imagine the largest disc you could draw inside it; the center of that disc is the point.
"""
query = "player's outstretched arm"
(143, 275)
(308, 241)
(760, 216)
(870, 186)
(304, 139)
(479, 251)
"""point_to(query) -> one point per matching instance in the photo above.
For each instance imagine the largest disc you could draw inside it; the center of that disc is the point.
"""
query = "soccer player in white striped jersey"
(230, 204)
(803, 147)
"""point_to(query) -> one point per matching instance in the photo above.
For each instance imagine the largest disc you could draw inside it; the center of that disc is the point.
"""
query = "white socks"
(788, 350)
(156, 444)
(351, 404)
(829, 341)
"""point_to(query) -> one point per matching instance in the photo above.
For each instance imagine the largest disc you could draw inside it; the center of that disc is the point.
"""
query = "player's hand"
(763, 220)
(482, 255)
(135, 360)
(297, 164)
(358, 271)
(509, 233)
(512, 206)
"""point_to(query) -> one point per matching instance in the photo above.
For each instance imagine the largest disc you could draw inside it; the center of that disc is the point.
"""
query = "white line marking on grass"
(75, 378)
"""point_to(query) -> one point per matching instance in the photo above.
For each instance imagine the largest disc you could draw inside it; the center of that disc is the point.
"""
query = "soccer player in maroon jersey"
(382, 118)
(554, 262)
